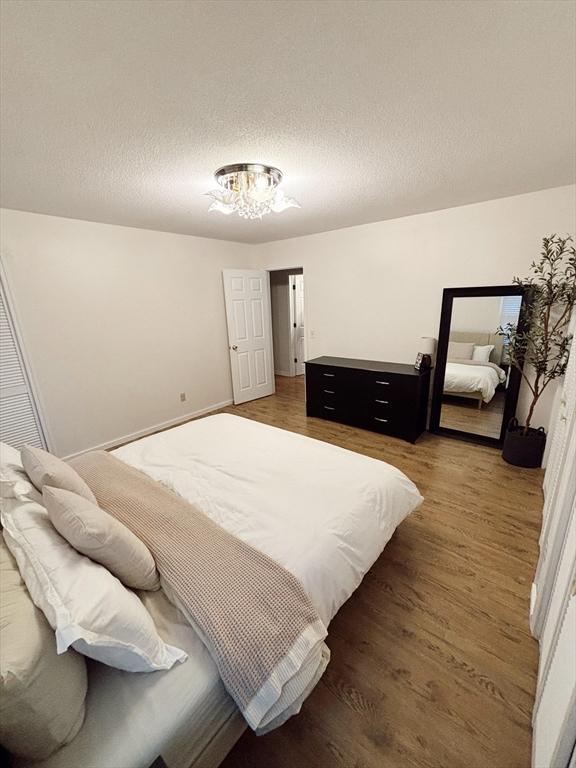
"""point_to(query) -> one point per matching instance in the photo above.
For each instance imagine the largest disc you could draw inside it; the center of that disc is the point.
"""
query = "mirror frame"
(514, 381)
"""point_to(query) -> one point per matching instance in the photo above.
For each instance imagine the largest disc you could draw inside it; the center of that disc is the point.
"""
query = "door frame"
(292, 270)
(291, 328)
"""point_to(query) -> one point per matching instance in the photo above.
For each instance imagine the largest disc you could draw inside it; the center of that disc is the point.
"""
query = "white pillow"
(8, 454)
(14, 482)
(101, 537)
(45, 469)
(87, 606)
(34, 722)
(482, 354)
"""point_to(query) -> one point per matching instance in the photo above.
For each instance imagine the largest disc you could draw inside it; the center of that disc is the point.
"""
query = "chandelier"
(250, 190)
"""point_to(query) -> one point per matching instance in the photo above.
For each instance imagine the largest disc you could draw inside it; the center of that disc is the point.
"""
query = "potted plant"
(539, 344)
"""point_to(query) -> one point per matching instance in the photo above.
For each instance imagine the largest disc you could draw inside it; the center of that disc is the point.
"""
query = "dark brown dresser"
(391, 398)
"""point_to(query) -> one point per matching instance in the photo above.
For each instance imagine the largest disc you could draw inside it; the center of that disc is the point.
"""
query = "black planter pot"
(523, 450)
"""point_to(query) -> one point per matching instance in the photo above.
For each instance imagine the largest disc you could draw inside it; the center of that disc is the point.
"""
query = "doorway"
(288, 329)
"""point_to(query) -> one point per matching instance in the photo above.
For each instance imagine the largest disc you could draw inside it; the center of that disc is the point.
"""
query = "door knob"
(235, 348)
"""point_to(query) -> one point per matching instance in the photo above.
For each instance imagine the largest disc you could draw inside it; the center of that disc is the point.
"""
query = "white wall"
(476, 314)
(117, 322)
(373, 290)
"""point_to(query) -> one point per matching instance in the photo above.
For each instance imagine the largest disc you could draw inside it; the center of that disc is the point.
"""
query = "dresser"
(391, 398)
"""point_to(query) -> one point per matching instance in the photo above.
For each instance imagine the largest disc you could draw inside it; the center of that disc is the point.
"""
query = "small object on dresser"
(422, 362)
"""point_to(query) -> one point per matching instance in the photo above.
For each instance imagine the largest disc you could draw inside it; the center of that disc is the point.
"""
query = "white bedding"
(473, 378)
(322, 512)
(184, 714)
(131, 718)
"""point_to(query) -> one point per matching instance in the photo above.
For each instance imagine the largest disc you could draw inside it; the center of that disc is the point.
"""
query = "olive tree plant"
(539, 344)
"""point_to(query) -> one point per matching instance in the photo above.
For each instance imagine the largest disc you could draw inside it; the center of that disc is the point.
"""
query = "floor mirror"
(475, 387)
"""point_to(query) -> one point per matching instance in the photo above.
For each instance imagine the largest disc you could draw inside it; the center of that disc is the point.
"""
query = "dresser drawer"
(327, 408)
(391, 413)
(329, 376)
(327, 398)
(386, 386)
(388, 424)
(325, 390)
(384, 403)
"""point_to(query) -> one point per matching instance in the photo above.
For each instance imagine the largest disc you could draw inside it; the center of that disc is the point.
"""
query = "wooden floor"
(432, 661)
(464, 415)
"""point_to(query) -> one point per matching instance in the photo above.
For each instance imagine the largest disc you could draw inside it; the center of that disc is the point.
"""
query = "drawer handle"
(330, 375)
(329, 391)
(378, 419)
(329, 408)
(381, 382)
(382, 402)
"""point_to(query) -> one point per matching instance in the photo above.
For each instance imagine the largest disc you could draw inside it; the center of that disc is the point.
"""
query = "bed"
(474, 380)
(471, 379)
(322, 512)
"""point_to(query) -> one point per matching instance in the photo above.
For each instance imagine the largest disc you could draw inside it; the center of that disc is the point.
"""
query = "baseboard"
(533, 597)
(150, 430)
(533, 601)
(282, 373)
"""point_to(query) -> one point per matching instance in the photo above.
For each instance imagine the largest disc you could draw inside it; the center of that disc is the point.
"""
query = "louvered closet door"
(554, 618)
(555, 513)
(19, 422)
(554, 719)
(560, 433)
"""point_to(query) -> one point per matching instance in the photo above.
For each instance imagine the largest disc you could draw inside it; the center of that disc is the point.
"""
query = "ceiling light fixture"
(250, 190)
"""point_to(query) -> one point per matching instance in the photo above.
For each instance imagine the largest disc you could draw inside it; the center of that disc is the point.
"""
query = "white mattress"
(322, 512)
(473, 378)
(132, 717)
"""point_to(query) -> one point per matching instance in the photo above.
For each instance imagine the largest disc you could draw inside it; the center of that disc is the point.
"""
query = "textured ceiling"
(120, 111)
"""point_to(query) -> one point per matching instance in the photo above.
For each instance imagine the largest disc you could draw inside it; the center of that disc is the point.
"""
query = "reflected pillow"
(460, 350)
(482, 354)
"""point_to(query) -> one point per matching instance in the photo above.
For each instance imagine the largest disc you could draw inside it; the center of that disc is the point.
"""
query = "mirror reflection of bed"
(477, 370)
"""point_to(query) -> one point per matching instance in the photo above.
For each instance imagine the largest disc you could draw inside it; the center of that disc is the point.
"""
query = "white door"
(297, 291)
(247, 296)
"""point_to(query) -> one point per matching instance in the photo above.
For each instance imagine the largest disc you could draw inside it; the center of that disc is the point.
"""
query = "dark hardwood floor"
(433, 664)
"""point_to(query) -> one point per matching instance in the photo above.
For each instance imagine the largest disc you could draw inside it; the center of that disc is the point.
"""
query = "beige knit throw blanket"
(252, 614)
